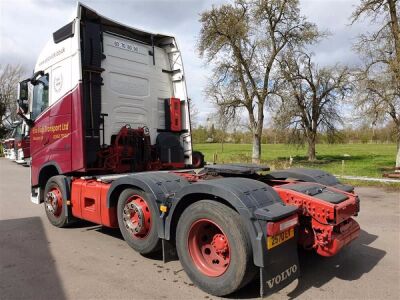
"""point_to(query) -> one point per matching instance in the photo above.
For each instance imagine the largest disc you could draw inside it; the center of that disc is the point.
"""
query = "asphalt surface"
(39, 261)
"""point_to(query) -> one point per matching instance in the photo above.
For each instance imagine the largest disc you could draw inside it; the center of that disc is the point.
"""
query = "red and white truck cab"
(93, 79)
(110, 142)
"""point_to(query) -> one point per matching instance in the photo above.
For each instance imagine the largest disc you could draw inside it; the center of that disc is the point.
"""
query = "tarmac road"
(39, 261)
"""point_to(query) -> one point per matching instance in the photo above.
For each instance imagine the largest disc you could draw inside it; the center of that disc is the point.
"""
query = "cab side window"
(40, 99)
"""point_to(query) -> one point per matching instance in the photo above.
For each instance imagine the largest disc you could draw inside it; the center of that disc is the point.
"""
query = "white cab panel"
(133, 87)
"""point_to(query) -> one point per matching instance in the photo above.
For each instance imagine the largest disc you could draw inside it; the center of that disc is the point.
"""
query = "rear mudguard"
(257, 204)
(311, 175)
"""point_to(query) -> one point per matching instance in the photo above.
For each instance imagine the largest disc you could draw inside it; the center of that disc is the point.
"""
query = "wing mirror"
(23, 96)
(23, 101)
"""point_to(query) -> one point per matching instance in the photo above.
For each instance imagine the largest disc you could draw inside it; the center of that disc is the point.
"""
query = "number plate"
(273, 241)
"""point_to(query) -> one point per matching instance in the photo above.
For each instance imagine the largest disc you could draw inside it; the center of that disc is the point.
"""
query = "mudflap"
(168, 251)
(281, 267)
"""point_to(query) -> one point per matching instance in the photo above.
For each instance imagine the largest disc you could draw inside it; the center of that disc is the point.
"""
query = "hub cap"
(54, 202)
(209, 247)
(137, 217)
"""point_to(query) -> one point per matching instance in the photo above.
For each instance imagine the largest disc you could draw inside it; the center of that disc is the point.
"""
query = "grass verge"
(369, 160)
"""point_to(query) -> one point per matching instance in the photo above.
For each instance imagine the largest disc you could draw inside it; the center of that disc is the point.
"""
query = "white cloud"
(334, 16)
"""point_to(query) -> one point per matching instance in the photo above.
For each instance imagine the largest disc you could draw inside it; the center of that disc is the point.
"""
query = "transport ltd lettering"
(51, 128)
(281, 277)
(58, 131)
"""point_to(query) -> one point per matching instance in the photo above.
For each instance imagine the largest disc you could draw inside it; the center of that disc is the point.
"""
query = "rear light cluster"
(274, 228)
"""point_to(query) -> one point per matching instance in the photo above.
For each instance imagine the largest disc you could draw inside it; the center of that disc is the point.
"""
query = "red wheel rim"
(54, 201)
(209, 247)
(196, 161)
(136, 217)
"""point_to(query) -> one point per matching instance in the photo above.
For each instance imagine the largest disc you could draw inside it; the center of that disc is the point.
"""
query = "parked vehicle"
(22, 145)
(9, 144)
(111, 144)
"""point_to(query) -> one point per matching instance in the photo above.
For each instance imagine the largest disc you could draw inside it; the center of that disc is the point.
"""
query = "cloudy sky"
(26, 25)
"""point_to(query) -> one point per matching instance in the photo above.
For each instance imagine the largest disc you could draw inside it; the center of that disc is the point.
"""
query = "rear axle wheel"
(209, 247)
(137, 217)
(214, 247)
(136, 220)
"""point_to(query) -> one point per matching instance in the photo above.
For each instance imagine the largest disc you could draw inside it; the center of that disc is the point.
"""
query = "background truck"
(111, 143)
(16, 146)
(10, 147)
(22, 145)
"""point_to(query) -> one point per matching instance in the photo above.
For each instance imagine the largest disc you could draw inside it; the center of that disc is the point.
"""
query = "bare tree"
(311, 97)
(243, 41)
(226, 121)
(194, 113)
(9, 77)
(379, 77)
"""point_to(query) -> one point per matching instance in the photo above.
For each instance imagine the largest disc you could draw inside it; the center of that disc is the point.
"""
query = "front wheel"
(214, 248)
(137, 221)
(54, 201)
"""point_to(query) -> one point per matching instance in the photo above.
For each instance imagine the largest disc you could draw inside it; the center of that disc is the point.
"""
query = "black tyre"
(55, 195)
(137, 221)
(214, 248)
(197, 159)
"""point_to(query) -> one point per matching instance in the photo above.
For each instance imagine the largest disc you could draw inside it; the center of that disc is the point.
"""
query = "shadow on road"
(27, 268)
(116, 233)
(350, 264)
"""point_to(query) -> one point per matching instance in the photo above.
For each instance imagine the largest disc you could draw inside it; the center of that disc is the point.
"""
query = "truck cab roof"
(87, 13)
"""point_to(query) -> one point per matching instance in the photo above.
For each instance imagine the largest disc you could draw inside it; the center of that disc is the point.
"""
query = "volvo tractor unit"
(110, 143)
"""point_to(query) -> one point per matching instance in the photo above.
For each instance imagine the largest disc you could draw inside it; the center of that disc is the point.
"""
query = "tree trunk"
(256, 149)
(398, 153)
(394, 26)
(257, 133)
(311, 148)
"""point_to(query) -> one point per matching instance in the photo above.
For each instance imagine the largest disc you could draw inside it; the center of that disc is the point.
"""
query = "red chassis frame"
(323, 226)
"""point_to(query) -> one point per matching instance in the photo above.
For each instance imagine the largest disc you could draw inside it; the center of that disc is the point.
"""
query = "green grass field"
(342, 159)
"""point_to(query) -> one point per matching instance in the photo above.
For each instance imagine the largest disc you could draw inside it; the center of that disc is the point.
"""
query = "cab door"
(39, 134)
(59, 127)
